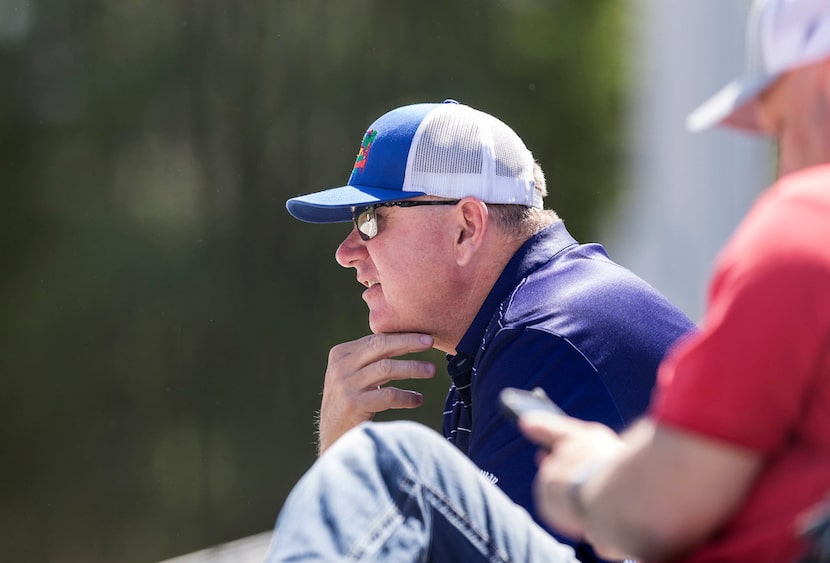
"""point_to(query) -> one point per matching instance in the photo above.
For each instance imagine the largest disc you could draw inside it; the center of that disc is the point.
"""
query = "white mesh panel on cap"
(459, 151)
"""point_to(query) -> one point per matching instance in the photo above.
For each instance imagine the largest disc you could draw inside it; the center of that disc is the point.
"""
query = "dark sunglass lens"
(366, 223)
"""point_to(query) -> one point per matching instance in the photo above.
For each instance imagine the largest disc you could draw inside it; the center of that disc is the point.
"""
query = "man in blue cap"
(732, 462)
(455, 251)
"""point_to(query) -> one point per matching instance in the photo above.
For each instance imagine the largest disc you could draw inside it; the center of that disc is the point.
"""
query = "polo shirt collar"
(537, 251)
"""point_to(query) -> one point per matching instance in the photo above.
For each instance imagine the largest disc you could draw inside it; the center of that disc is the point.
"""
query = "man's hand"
(653, 493)
(573, 451)
(353, 390)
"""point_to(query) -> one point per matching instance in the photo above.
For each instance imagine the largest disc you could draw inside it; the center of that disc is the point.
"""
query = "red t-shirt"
(758, 373)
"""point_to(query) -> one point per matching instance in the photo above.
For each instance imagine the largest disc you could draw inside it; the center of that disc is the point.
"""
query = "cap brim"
(734, 105)
(335, 205)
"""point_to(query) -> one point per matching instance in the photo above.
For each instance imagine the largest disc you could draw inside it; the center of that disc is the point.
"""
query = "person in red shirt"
(735, 450)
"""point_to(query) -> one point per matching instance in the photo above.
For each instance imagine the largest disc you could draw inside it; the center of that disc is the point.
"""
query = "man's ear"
(471, 224)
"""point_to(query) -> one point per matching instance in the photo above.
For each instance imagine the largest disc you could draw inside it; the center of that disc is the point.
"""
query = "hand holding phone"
(517, 402)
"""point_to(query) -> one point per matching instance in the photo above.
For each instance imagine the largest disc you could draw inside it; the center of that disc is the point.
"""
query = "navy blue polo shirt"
(564, 317)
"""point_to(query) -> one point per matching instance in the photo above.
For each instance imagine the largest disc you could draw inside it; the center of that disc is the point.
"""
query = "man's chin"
(378, 325)
(380, 328)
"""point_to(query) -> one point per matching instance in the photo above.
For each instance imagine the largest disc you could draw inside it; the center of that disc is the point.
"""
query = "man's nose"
(351, 250)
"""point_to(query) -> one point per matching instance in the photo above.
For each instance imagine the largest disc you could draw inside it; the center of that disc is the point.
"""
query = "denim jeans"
(400, 492)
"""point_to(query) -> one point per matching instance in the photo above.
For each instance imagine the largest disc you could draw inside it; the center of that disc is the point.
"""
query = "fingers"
(572, 452)
(564, 437)
(386, 370)
(392, 398)
(370, 361)
(353, 390)
(545, 429)
(382, 345)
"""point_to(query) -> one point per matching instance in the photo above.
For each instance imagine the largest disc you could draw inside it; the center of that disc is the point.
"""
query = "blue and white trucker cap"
(781, 35)
(446, 150)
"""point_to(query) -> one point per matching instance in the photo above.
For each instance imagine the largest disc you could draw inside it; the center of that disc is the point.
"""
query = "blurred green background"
(165, 323)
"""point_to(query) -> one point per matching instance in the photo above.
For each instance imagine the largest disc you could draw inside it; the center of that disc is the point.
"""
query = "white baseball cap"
(445, 150)
(781, 35)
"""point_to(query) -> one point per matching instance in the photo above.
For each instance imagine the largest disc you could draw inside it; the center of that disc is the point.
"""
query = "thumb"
(544, 428)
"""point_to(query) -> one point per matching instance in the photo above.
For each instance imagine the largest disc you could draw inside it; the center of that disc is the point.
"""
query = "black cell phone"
(516, 402)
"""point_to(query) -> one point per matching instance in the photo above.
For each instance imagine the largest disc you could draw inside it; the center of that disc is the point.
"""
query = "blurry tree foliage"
(165, 323)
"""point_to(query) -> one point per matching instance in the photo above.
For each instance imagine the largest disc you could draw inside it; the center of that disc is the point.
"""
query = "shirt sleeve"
(745, 377)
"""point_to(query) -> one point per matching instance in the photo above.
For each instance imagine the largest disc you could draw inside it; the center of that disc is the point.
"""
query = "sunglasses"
(366, 220)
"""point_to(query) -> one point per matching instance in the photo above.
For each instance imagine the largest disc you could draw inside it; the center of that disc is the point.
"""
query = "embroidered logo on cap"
(363, 153)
